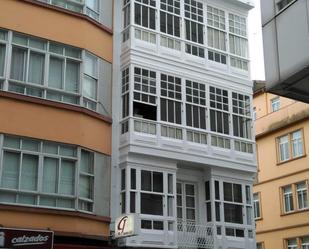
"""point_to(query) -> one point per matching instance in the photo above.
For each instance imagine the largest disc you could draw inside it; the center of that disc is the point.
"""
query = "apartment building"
(280, 196)
(286, 39)
(55, 122)
(183, 159)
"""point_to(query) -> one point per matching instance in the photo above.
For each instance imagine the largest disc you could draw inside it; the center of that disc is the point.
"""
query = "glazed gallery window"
(290, 146)
(50, 70)
(145, 13)
(42, 173)
(216, 34)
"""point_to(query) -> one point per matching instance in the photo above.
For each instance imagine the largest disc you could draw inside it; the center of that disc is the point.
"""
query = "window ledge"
(295, 212)
(76, 14)
(290, 160)
(59, 105)
(41, 210)
(258, 219)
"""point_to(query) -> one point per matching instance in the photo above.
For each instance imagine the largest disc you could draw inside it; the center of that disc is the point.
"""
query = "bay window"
(49, 70)
(43, 173)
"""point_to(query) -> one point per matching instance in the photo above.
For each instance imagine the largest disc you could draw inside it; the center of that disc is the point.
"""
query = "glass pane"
(11, 142)
(170, 183)
(47, 201)
(91, 65)
(66, 150)
(31, 145)
(233, 213)
(146, 180)
(50, 175)
(29, 173)
(65, 203)
(18, 64)
(50, 148)
(20, 39)
(170, 206)
(27, 199)
(189, 189)
(86, 187)
(72, 76)
(55, 78)
(228, 194)
(151, 204)
(2, 59)
(90, 87)
(36, 68)
(55, 48)
(237, 193)
(67, 176)
(133, 178)
(10, 174)
(37, 43)
(87, 162)
(157, 182)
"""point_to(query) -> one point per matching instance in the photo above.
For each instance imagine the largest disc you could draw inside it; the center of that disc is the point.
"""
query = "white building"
(183, 149)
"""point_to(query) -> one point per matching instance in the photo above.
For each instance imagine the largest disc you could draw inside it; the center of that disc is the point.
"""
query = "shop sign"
(25, 239)
(124, 226)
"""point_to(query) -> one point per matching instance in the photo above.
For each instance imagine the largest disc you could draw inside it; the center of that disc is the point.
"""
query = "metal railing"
(192, 235)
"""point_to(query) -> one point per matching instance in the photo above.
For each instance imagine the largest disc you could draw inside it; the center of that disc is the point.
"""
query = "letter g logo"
(122, 224)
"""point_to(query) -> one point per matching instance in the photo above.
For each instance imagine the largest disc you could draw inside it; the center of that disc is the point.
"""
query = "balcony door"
(186, 202)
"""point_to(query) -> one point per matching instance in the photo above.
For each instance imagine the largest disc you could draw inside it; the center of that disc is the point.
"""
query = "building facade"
(281, 191)
(183, 150)
(55, 122)
(286, 61)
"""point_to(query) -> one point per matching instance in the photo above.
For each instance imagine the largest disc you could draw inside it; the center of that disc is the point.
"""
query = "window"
(254, 113)
(216, 34)
(145, 13)
(259, 245)
(290, 146)
(292, 244)
(238, 41)
(125, 79)
(196, 104)
(297, 190)
(288, 199)
(194, 28)
(232, 194)
(256, 206)
(283, 3)
(275, 104)
(170, 99)
(88, 7)
(126, 20)
(219, 107)
(301, 190)
(50, 70)
(305, 242)
(22, 183)
(186, 198)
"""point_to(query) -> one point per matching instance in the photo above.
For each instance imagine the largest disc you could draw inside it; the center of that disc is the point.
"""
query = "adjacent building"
(55, 119)
(183, 149)
(286, 39)
(280, 196)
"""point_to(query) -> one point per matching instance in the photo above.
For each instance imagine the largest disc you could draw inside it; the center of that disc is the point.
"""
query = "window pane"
(50, 175)
(237, 193)
(90, 87)
(87, 162)
(151, 204)
(233, 213)
(228, 194)
(36, 68)
(146, 180)
(10, 174)
(86, 186)
(55, 73)
(90, 65)
(18, 64)
(2, 59)
(157, 182)
(72, 76)
(29, 173)
(67, 176)
(133, 178)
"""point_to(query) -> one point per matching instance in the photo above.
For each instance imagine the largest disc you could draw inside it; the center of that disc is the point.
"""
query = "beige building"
(281, 190)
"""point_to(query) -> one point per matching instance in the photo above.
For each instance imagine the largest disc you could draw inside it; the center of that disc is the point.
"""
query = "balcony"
(187, 143)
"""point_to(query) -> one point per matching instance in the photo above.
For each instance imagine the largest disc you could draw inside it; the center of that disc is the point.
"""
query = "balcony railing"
(192, 235)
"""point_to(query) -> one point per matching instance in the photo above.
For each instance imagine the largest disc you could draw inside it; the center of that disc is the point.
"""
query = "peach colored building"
(281, 191)
(55, 118)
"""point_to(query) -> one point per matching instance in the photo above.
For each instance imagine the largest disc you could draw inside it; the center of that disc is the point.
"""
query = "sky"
(255, 43)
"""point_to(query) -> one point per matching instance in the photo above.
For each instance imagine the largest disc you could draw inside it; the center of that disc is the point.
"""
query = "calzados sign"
(25, 239)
